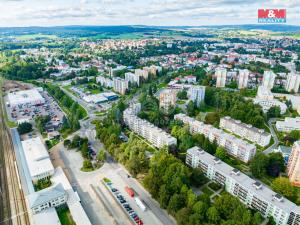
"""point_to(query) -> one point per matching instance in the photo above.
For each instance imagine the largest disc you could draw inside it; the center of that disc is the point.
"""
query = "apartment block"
(259, 136)
(132, 78)
(234, 146)
(292, 82)
(105, 82)
(288, 124)
(120, 85)
(250, 192)
(167, 98)
(243, 78)
(221, 77)
(158, 137)
(142, 73)
(269, 79)
(293, 167)
(196, 94)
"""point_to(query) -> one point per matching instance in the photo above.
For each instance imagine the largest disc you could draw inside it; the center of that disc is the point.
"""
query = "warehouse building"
(28, 97)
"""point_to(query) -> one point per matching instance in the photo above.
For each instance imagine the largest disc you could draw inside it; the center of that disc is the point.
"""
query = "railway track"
(13, 206)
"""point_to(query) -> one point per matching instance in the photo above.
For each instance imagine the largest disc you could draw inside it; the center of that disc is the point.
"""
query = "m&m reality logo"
(272, 15)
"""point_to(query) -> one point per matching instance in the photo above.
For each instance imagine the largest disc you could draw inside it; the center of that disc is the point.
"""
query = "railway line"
(13, 210)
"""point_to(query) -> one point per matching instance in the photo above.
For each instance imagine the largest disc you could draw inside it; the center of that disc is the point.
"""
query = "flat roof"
(263, 192)
(78, 214)
(46, 217)
(23, 97)
(246, 126)
(37, 156)
(23, 169)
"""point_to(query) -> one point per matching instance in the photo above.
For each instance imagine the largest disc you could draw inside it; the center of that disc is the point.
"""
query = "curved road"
(274, 135)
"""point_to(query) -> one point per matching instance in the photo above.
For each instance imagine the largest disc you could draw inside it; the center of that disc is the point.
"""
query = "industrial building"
(27, 97)
(38, 160)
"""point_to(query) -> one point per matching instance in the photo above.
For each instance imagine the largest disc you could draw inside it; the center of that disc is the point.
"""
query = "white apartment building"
(293, 166)
(259, 136)
(288, 124)
(120, 85)
(196, 94)
(250, 192)
(243, 78)
(266, 100)
(167, 98)
(153, 69)
(105, 82)
(269, 79)
(292, 82)
(158, 137)
(234, 146)
(132, 78)
(221, 77)
(38, 160)
(142, 73)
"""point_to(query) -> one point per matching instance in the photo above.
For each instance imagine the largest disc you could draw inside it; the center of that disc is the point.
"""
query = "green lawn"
(9, 123)
(65, 216)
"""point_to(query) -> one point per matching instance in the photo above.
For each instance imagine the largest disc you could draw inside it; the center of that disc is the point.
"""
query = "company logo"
(272, 16)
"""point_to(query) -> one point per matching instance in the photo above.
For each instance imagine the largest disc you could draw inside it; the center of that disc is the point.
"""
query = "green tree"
(221, 153)
(282, 186)
(101, 156)
(258, 165)
(24, 128)
(213, 215)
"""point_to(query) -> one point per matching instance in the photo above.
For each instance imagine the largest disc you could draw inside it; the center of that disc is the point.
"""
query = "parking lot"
(119, 177)
(27, 112)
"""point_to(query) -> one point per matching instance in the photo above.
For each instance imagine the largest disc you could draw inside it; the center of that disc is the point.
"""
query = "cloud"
(148, 12)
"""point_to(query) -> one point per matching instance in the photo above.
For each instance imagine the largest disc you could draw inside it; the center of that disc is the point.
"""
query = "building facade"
(250, 192)
(259, 136)
(293, 167)
(292, 82)
(289, 124)
(233, 145)
(243, 78)
(132, 78)
(221, 77)
(142, 73)
(167, 98)
(269, 79)
(196, 94)
(156, 136)
(120, 85)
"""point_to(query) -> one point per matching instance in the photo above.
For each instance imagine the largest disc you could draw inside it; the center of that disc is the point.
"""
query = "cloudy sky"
(133, 12)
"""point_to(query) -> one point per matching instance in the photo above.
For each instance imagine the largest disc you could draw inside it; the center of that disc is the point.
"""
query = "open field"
(27, 37)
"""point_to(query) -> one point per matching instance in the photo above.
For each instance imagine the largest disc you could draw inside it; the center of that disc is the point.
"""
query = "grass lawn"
(9, 123)
(207, 191)
(65, 216)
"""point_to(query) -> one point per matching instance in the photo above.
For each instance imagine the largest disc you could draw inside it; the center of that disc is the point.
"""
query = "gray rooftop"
(260, 190)
(46, 195)
(247, 126)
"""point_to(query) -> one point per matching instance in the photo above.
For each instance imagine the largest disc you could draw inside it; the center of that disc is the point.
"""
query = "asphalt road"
(274, 135)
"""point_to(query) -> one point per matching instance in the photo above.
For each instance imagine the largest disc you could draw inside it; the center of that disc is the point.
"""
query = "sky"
(139, 12)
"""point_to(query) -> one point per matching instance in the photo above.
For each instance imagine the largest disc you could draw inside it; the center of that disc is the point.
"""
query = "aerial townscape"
(148, 124)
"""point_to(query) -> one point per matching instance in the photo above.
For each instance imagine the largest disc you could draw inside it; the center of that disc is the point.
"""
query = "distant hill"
(90, 31)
